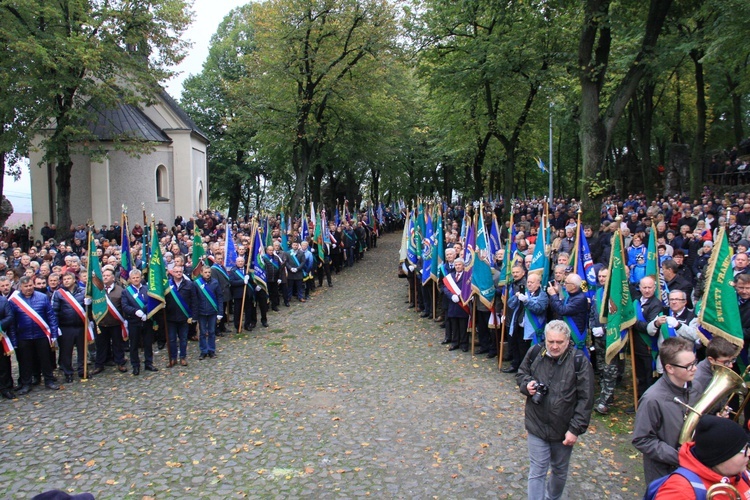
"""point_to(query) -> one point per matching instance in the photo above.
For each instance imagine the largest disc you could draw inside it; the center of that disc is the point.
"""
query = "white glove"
(140, 314)
(522, 297)
(597, 331)
(258, 288)
(246, 279)
(412, 268)
(672, 321)
(454, 298)
(144, 318)
(294, 269)
(87, 301)
(278, 282)
(219, 317)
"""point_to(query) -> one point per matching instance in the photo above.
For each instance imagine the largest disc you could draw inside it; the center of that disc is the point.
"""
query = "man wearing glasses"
(659, 418)
(678, 321)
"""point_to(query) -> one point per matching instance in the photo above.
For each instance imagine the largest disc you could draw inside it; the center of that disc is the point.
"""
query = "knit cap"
(717, 440)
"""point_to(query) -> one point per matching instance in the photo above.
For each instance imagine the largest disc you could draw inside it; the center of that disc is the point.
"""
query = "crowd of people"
(46, 311)
(667, 352)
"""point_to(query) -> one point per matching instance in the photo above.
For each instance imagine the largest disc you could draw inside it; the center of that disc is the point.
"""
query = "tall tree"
(88, 54)
(598, 117)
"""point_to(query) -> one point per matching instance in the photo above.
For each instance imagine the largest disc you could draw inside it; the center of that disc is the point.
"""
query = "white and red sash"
(451, 284)
(31, 313)
(78, 308)
(111, 309)
(6, 343)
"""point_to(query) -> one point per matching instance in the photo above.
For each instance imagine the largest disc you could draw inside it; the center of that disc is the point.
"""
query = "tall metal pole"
(551, 201)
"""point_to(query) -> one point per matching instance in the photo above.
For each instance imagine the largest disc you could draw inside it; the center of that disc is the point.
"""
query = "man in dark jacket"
(559, 384)
(273, 276)
(573, 309)
(242, 289)
(647, 308)
(134, 309)
(220, 273)
(112, 327)
(675, 281)
(7, 324)
(68, 304)
(210, 306)
(457, 315)
(36, 332)
(180, 313)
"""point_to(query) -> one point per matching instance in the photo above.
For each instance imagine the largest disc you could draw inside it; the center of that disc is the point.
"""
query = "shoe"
(136, 370)
(109, 363)
(52, 386)
(183, 361)
(481, 351)
(161, 345)
(454, 347)
(97, 370)
(36, 380)
(253, 325)
(276, 309)
(194, 338)
(601, 409)
(424, 315)
(286, 304)
(510, 369)
(122, 369)
(492, 355)
(23, 390)
(410, 306)
(8, 394)
(264, 323)
(80, 375)
(444, 342)
(465, 349)
(630, 410)
(219, 334)
(442, 325)
(203, 356)
(212, 354)
(303, 300)
(69, 378)
(330, 285)
(151, 368)
(172, 362)
(440, 319)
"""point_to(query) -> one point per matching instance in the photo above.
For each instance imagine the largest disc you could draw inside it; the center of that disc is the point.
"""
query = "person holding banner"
(242, 289)
(35, 325)
(273, 276)
(295, 273)
(68, 305)
(210, 307)
(573, 309)
(135, 310)
(180, 307)
(112, 327)
(220, 273)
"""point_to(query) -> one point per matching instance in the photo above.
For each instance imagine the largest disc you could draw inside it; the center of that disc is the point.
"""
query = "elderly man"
(112, 327)
(647, 308)
(573, 309)
(675, 281)
(36, 330)
(558, 383)
(680, 321)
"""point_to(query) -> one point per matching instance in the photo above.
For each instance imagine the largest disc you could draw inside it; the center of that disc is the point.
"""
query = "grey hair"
(559, 326)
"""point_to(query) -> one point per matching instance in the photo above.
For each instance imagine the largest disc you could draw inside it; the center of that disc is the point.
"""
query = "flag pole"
(88, 310)
(164, 326)
(631, 340)
(473, 324)
(244, 289)
(502, 323)
(434, 292)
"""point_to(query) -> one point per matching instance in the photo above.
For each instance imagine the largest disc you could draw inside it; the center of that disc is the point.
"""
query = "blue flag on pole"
(259, 267)
(230, 251)
(427, 243)
(481, 276)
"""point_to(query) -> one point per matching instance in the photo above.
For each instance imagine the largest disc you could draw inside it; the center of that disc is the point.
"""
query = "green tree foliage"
(95, 52)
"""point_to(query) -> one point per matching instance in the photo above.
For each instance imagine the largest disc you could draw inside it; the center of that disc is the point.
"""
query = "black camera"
(541, 391)
(522, 288)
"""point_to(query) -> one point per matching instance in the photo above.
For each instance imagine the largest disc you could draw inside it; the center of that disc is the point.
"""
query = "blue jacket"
(637, 263)
(130, 305)
(66, 315)
(25, 327)
(203, 305)
(536, 308)
(574, 308)
(187, 294)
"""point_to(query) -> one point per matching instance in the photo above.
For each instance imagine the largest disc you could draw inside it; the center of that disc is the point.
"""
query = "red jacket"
(678, 488)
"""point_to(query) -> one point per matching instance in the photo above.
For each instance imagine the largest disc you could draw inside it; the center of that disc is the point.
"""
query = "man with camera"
(559, 383)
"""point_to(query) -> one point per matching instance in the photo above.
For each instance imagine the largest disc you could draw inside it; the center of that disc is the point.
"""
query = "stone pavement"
(348, 395)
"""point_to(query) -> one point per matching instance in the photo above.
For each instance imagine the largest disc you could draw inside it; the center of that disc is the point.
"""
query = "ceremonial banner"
(540, 258)
(411, 248)
(582, 263)
(94, 283)
(198, 253)
(719, 312)
(438, 248)
(481, 277)
(427, 244)
(284, 235)
(653, 268)
(126, 260)
(158, 281)
(259, 267)
(230, 250)
(495, 243)
(469, 259)
(617, 310)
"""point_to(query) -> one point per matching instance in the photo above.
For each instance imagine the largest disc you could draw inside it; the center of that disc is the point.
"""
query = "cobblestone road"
(348, 395)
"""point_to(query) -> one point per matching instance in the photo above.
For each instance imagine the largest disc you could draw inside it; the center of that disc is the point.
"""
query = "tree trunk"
(316, 182)
(62, 182)
(643, 112)
(736, 110)
(375, 186)
(699, 142)
(479, 157)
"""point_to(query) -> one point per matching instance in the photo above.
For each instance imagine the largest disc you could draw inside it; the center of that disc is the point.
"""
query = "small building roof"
(123, 122)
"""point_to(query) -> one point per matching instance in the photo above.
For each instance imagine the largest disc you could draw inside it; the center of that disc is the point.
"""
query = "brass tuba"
(723, 490)
(723, 383)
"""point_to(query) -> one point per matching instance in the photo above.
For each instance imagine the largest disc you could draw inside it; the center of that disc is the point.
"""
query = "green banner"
(616, 308)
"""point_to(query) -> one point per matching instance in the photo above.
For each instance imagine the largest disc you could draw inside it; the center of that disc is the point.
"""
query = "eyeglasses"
(677, 300)
(726, 362)
(745, 450)
(691, 366)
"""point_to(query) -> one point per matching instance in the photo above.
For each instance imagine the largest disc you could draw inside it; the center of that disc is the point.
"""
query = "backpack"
(577, 361)
(698, 487)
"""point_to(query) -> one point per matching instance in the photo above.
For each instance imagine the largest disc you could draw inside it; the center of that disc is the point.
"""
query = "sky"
(207, 16)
